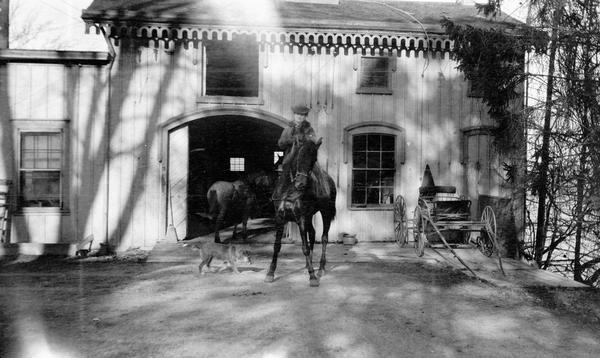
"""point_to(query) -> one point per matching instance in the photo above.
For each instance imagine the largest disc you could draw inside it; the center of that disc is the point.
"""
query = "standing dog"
(228, 253)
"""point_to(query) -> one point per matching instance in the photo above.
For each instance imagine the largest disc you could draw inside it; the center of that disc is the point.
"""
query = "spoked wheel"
(487, 241)
(400, 221)
(419, 231)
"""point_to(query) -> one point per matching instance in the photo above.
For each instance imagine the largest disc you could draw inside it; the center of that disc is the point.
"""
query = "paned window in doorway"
(237, 164)
(277, 156)
(41, 161)
(231, 67)
(373, 169)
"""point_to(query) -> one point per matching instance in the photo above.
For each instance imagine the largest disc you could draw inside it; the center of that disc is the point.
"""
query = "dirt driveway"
(379, 308)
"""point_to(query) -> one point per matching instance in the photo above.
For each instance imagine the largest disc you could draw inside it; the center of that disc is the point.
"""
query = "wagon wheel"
(400, 221)
(419, 231)
(487, 241)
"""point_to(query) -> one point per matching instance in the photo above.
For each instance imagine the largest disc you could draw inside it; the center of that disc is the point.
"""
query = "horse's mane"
(320, 183)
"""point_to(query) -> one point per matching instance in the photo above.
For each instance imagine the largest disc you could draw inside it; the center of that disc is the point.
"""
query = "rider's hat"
(300, 109)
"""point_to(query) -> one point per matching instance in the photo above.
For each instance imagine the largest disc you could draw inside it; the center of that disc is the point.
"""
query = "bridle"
(294, 178)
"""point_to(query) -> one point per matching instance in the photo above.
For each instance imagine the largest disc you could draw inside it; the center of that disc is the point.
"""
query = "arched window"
(374, 152)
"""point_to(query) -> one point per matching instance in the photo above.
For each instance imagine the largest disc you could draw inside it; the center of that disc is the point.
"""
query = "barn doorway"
(208, 149)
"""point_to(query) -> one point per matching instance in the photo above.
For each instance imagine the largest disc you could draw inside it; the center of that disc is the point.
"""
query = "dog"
(228, 253)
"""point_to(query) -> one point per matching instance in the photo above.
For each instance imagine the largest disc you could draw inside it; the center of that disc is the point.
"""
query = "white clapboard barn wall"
(126, 123)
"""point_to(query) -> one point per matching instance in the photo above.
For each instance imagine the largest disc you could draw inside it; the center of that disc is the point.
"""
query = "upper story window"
(373, 169)
(375, 75)
(232, 67)
(40, 167)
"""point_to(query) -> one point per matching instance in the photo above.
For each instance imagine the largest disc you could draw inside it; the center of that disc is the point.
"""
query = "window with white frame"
(373, 169)
(375, 75)
(236, 164)
(40, 169)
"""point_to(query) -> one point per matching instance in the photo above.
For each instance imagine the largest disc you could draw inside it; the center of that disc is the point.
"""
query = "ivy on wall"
(493, 60)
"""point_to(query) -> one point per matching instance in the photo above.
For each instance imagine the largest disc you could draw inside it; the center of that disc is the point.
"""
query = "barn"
(121, 146)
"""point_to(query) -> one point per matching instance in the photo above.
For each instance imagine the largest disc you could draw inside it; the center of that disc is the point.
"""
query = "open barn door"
(177, 199)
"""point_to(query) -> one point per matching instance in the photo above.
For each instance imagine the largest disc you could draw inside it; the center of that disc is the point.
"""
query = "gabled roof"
(348, 15)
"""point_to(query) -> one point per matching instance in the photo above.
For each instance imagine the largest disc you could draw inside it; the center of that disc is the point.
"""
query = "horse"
(238, 199)
(304, 192)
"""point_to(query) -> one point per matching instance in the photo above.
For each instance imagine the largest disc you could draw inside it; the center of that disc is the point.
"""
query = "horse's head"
(260, 181)
(305, 160)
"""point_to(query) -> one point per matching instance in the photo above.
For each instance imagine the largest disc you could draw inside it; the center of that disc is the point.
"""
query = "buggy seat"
(432, 191)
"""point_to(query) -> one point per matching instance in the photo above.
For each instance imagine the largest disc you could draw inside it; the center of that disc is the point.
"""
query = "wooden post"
(4, 24)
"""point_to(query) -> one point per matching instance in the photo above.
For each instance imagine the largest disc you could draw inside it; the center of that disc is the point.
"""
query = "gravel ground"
(126, 307)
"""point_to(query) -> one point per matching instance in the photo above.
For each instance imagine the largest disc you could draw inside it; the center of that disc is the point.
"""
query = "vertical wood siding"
(75, 95)
(152, 86)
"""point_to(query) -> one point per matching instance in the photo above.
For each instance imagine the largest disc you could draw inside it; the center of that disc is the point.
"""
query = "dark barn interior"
(214, 142)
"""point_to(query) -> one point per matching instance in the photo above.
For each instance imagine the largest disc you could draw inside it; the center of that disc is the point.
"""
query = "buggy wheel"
(487, 240)
(400, 221)
(419, 231)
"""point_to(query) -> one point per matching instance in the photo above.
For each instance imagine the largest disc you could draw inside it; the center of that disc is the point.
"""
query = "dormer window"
(231, 67)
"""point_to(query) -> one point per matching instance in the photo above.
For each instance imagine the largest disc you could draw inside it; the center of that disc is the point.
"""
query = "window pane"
(373, 178)
(387, 177)
(27, 159)
(54, 159)
(40, 189)
(388, 142)
(387, 196)
(374, 160)
(373, 196)
(41, 151)
(359, 142)
(359, 196)
(55, 151)
(374, 72)
(374, 142)
(387, 160)
(359, 178)
(359, 160)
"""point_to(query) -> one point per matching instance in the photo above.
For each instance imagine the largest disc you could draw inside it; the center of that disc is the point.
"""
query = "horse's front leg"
(310, 230)
(314, 281)
(279, 224)
(324, 241)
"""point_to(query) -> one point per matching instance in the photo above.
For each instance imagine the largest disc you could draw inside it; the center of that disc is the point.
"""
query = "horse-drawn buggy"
(442, 219)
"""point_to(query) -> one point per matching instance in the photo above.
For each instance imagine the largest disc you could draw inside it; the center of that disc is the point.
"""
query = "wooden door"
(177, 199)
(480, 162)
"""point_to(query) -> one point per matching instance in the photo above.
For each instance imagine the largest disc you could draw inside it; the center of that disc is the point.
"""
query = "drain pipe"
(113, 55)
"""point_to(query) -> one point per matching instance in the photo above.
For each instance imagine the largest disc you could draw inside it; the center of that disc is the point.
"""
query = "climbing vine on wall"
(492, 59)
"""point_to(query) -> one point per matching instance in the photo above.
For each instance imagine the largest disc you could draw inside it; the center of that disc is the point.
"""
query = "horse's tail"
(213, 203)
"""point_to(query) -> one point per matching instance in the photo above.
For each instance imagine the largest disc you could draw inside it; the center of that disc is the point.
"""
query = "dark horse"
(306, 190)
(236, 199)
